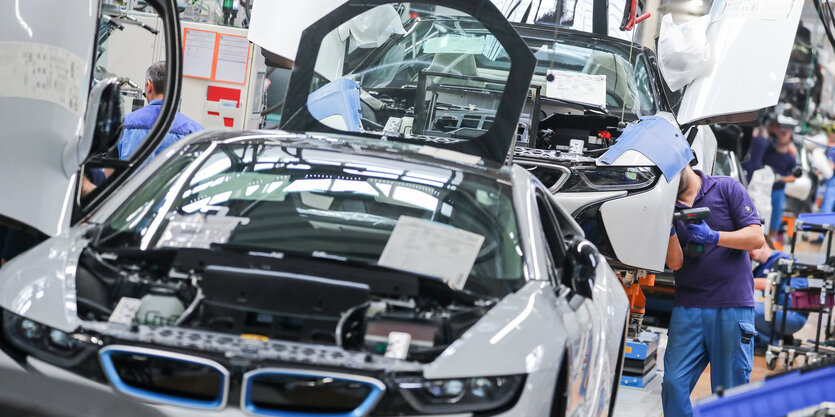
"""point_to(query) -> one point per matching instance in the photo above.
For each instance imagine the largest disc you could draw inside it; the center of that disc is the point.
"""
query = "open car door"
(750, 44)
(58, 122)
(445, 75)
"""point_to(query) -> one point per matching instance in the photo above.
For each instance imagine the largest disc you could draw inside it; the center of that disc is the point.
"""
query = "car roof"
(392, 151)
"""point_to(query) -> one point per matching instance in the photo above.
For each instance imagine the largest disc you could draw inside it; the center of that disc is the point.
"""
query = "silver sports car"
(378, 256)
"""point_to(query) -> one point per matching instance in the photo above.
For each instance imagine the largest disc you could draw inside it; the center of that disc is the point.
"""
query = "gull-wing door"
(448, 76)
(61, 117)
(750, 43)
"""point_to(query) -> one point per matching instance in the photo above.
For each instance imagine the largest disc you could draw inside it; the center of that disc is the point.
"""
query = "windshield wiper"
(257, 250)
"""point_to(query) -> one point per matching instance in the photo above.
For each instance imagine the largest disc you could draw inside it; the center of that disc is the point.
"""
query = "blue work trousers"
(794, 322)
(698, 336)
(778, 203)
(828, 203)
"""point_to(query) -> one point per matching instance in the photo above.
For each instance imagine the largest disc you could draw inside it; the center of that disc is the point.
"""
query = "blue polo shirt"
(721, 277)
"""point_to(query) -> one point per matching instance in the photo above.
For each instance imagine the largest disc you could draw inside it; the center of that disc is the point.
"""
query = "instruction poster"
(215, 56)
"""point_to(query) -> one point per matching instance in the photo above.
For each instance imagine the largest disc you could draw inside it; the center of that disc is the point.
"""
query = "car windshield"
(410, 69)
(400, 62)
(307, 201)
(624, 73)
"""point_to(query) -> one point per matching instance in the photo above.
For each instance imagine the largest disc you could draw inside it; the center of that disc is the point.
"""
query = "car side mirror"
(103, 124)
(108, 122)
(580, 265)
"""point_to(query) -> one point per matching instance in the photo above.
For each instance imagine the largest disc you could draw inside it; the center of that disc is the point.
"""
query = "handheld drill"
(693, 215)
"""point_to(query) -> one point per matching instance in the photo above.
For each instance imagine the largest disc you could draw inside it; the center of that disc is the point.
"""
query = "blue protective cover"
(338, 97)
(773, 397)
(138, 125)
(657, 139)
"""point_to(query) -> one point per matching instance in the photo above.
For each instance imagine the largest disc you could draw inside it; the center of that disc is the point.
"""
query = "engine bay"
(267, 297)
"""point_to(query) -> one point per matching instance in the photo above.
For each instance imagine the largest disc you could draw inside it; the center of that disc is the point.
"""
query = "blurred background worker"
(767, 256)
(828, 203)
(713, 314)
(760, 176)
(138, 123)
(781, 157)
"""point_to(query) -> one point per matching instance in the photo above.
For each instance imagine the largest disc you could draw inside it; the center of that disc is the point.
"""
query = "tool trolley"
(818, 297)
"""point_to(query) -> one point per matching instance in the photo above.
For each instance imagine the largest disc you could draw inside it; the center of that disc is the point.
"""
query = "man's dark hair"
(156, 75)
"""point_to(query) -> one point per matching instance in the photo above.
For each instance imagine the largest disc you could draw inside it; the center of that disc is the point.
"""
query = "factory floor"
(646, 402)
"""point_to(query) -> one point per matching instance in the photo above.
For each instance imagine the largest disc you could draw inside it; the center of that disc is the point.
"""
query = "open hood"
(54, 120)
(750, 44)
(450, 75)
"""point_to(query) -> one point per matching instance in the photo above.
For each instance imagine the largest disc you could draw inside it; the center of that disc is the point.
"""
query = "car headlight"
(44, 342)
(609, 178)
(460, 395)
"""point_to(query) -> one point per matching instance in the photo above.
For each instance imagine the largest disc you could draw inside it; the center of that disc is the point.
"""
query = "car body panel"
(736, 41)
(573, 202)
(40, 283)
(34, 151)
(655, 208)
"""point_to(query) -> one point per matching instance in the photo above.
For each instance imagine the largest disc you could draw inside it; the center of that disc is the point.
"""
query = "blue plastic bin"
(773, 397)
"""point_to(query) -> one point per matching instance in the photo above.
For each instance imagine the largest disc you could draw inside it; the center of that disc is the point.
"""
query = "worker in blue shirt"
(828, 203)
(138, 123)
(713, 314)
(767, 256)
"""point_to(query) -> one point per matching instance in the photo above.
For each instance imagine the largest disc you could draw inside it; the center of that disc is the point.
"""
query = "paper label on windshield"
(198, 231)
(577, 87)
(754, 9)
(433, 249)
(454, 44)
(42, 72)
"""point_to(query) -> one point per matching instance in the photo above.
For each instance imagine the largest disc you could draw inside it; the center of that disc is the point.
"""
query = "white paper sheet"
(42, 72)
(433, 249)
(198, 53)
(232, 54)
(577, 87)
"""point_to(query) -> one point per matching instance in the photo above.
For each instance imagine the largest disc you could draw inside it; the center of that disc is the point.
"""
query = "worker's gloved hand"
(702, 234)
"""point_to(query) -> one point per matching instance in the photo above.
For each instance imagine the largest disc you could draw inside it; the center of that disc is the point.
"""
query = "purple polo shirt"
(721, 277)
(782, 164)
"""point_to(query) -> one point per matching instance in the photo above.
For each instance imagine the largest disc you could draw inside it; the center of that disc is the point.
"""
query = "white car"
(341, 267)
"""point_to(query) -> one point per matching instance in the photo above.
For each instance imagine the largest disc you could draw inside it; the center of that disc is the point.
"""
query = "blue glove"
(702, 234)
(672, 231)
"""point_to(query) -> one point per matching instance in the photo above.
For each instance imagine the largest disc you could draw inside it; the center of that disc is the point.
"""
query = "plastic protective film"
(657, 139)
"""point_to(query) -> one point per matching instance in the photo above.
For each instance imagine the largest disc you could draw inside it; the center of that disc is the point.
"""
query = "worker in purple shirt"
(781, 157)
(713, 314)
(756, 152)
